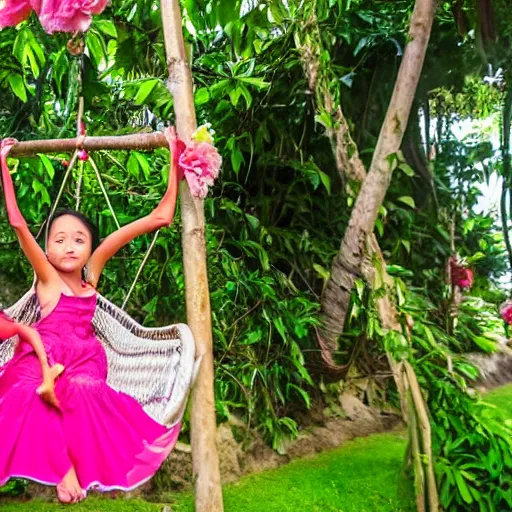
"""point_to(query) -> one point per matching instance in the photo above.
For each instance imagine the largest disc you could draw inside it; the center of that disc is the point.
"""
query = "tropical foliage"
(279, 210)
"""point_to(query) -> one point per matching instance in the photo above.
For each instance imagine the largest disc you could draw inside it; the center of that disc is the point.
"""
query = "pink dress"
(106, 435)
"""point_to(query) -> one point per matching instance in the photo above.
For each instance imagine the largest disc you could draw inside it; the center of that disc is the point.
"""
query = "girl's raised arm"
(36, 256)
(161, 216)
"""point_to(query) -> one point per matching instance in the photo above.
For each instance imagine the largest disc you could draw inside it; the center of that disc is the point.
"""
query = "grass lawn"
(502, 399)
(361, 476)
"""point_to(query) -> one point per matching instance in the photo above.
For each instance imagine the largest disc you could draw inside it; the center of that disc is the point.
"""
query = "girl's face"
(69, 244)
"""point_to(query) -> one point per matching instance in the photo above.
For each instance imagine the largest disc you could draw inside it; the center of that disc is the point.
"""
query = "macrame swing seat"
(156, 366)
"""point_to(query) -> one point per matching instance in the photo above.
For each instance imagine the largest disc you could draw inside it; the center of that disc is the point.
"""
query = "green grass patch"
(501, 398)
(364, 475)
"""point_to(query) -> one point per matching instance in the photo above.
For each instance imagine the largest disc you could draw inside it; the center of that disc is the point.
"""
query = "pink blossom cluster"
(462, 276)
(198, 161)
(55, 15)
(201, 163)
(506, 312)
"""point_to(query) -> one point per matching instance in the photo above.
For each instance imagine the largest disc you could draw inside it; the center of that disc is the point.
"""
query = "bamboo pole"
(419, 474)
(426, 437)
(205, 459)
(141, 141)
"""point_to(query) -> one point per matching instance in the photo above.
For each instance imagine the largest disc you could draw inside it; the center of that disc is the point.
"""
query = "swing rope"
(140, 269)
(58, 197)
(79, 186)
(104, 191)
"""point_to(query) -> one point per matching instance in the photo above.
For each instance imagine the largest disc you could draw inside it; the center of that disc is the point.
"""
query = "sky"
(490, 191)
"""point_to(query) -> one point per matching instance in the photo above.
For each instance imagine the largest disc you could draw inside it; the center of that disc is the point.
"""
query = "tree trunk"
(350, 167)
(205, 458)
(347, 263)
(373, 270)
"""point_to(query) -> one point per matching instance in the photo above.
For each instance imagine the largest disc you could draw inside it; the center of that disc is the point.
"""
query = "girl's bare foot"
(47, 389)
(69, 490)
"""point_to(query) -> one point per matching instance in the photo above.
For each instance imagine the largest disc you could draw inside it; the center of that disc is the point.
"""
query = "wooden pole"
(205, 460)
(426, 437)
(142, 141)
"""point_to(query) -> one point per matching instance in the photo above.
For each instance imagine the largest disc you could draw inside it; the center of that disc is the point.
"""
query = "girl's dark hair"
(93, 230)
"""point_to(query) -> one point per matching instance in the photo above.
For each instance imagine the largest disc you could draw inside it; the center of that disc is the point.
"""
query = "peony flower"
(67, 15)
(506, 312)
(54, 15)
(13, 12)
(201, 163)
(461, 276)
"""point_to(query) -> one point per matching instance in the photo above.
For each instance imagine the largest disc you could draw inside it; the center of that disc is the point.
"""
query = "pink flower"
(467, 280)
(506, 312)
(461, 276)
(55, 15)
(201, 164)
(83, 156)
(13, 12)
(67, 15)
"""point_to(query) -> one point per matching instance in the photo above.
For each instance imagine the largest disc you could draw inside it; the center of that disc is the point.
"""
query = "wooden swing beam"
(140, 141)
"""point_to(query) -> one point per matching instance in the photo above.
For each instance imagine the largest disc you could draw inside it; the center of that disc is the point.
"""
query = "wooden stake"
(419, 474)
(205, 458)
(426, 437)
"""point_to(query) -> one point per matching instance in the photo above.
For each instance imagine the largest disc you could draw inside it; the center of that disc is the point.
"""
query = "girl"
(46, 390)
(99, 438)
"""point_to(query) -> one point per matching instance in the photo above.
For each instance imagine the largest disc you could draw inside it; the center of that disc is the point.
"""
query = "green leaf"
(485, 343)
(133, 165)
(408, 200)
(259, 83)
(475, 257)
(303, 393)
(253, 221)
(326, 181)
(202, 96)
(407, 169)
(47, 165)
(95, 46)
(462, 486)
(18, 49)
(145, 90)
(362, 43)
(379, 225)
(40, 189)
(322, 272)
(234, 95)
(143, 162)
(107, 27)
(34, 66)
(38, 50)
(278, 322)
(237, 158)
(17, 86)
